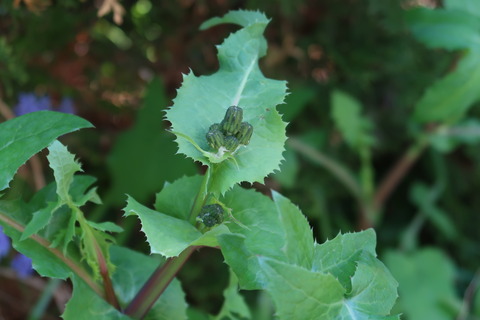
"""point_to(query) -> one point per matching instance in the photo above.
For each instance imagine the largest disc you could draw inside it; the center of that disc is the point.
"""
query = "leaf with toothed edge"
(240, 82)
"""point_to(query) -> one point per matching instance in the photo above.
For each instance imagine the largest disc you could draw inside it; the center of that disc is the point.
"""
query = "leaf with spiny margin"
(168, 235)
(202, 101)
(44, 261)
(64, 167)
(441, 28)
(234, 305)
(274, 229)
(105, 226)
(449, 99)
(427, 284)
(299, 293)
(339, 256)
(355, 128)
(24, 136)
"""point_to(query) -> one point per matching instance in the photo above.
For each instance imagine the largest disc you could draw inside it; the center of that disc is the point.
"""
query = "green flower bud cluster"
(211, 215)
(231, 132)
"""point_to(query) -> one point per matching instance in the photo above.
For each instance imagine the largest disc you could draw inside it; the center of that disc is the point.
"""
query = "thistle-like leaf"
(202, 101)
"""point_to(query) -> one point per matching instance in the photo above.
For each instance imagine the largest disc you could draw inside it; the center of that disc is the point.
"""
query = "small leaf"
(167, 235)
(105, 226)
(39, 221)
(44, 261)
(449, 99)
(234, 305)
(24, 136)
(354, 127)
(64, 168)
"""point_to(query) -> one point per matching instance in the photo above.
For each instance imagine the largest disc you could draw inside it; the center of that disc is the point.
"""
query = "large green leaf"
(427, 284)
(451, 97)
(449, 29)
(143, 157)
(202, 101)
(299, 293)
(274, 229)
(22, 137)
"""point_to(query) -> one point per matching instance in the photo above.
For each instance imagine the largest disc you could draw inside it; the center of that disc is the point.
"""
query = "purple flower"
(66, 105)
(22, 265)
(29, 102)
(4, 243)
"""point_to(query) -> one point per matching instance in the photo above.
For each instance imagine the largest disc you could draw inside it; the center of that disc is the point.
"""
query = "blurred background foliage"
(356, 71)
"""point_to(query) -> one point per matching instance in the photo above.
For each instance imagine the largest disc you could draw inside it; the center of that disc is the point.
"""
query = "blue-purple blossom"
(4, 244)
(66, 106)
(30, 102)
(22, 265)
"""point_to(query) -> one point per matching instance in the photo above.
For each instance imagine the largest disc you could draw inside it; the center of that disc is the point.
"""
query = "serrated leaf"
(449, 29)
(239, 81)
(39, 221)
(303, 294)
(183, 192)
(141, 176)
(427, 284)
(64, 168)
(24, 136)
(355, 128)
(339, 256)
(274, 229)
(167, 235)
(450, 98)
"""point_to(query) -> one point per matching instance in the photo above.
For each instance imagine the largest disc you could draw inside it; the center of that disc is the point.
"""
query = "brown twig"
(5, 111)
(396, 174)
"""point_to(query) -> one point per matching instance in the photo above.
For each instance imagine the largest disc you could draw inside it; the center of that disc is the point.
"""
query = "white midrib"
(243, 83)
(350, 311)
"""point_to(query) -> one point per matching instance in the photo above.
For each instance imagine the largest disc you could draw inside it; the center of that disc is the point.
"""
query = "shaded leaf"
(449, 29)
(449, 99)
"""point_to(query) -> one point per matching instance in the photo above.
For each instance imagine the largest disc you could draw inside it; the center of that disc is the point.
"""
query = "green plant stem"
(201, 197)
(42, 303)
(156, 285)
(79, 271)
(339, 171)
